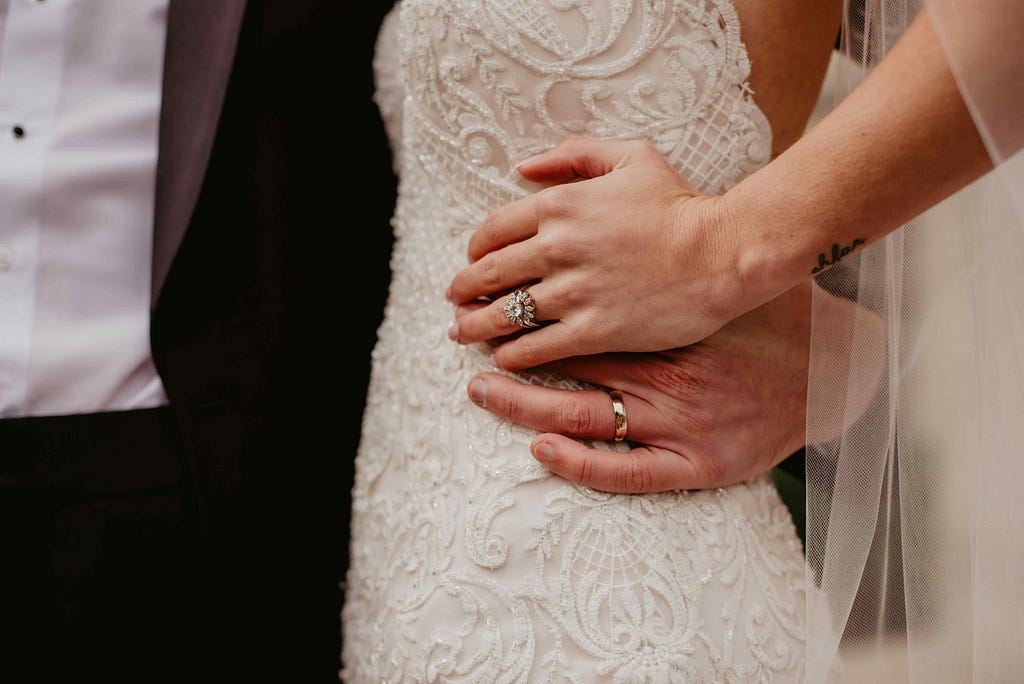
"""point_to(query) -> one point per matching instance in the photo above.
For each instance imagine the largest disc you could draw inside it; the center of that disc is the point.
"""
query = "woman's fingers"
(511, 267)
(507, 225)
(575, 159)
(495, 261)
(545, 338)
(503, 316)
(586, 272)
(498, 252)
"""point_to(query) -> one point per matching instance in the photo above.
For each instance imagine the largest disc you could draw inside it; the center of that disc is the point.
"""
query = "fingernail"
(493, 360)
(478, 392)
(448, 294)
(528, 161)
(453, 332)
(545, 453)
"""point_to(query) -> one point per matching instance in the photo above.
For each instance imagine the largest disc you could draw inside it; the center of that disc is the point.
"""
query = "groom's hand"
(708, 415)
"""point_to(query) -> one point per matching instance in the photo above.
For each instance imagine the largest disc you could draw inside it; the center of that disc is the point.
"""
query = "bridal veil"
(915, 512)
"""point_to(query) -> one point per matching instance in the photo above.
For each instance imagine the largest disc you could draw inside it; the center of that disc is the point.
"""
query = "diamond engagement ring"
(519, 308)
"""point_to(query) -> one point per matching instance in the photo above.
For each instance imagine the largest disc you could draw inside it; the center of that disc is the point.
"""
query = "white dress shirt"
(80, 90)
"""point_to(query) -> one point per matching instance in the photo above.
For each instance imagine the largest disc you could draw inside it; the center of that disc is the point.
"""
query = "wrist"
(722, 246)
(775, 241)
(755, 261)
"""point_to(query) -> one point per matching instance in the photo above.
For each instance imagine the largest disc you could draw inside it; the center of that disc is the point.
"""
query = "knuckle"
(554, 202)
(588, 472)
(482, 236)
(635, 476)
(489, 272)
(547, 248)
(511, 406)
(574, 416)
(488, 229)
(562, 247)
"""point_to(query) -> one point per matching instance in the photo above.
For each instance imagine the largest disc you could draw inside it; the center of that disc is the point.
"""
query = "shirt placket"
(31, 66)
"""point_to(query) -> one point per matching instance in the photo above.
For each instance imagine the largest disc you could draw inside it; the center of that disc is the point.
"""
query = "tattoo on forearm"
(837, 255)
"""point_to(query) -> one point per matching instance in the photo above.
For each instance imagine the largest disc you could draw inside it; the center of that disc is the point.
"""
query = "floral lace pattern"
(468, 561)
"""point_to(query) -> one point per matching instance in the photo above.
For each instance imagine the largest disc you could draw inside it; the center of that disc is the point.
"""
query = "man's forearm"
(900, 143)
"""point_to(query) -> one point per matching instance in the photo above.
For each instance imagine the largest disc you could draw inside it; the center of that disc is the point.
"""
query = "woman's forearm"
(901, 142)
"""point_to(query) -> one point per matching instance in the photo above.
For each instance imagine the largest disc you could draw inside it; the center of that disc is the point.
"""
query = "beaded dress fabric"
(469, 562)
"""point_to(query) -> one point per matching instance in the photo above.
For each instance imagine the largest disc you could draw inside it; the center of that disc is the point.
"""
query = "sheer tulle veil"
(915, 520)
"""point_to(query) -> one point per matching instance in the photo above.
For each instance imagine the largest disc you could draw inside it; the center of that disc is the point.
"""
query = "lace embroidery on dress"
(469, 562)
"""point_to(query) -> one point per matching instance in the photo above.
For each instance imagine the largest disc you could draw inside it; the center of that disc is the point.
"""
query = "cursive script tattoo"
(837, 255)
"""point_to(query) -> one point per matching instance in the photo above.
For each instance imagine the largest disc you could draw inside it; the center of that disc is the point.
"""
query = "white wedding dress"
(468, 561)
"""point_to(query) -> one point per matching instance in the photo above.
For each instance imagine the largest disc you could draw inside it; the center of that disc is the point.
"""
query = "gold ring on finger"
(619, 407)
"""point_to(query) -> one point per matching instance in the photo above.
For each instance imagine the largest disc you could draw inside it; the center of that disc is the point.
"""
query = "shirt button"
(6, 258)
(18, 132)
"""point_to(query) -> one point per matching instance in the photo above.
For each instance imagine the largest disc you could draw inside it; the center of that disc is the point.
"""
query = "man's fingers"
(585, 414)
(638, 471)
(574, 159)
(565, 416)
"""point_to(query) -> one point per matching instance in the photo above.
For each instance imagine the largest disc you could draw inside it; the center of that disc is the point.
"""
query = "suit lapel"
(201, 41)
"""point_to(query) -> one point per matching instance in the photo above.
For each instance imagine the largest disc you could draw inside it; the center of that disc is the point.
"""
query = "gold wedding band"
(621, 424)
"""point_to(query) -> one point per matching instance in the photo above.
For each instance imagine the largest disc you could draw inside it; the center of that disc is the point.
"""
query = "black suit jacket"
(274, 190)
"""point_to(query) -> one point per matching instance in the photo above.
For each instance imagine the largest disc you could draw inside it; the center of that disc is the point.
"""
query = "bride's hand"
(631, 258)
